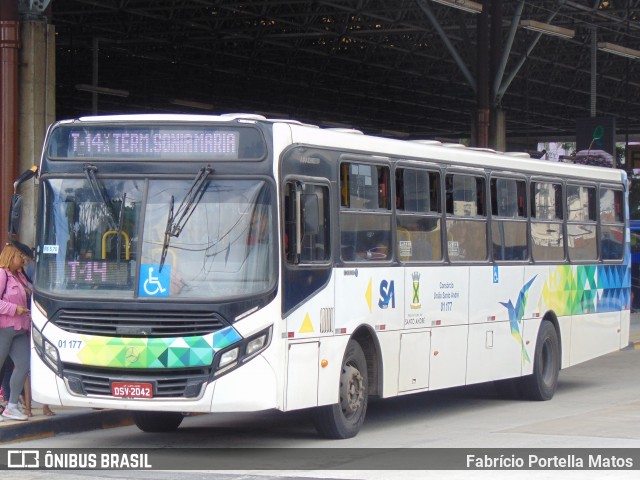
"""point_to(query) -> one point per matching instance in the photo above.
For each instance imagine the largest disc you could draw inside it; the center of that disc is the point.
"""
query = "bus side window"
(547, 237)
(612, 224)
(365, 212)
(418, 215)
(466, 220)
(311, 203)
(508, 225)
(581, 223)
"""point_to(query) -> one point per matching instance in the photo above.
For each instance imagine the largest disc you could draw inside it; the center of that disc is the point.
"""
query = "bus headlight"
(242, 351)
(227, 357)
(51, 356)
(37, 339)
(256, 345)
(46, 351)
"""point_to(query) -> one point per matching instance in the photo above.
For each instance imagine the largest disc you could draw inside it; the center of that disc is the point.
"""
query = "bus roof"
(423, 150)
(456, 154)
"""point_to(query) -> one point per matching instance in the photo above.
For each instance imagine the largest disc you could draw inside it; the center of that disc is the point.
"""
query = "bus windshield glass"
(112, 238)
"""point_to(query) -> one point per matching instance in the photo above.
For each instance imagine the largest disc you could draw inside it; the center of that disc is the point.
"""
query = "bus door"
(307, 288)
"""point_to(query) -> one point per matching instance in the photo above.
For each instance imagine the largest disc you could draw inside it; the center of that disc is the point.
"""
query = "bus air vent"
(123, 323)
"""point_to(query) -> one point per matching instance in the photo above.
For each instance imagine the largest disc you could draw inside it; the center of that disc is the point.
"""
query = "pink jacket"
(14, 295)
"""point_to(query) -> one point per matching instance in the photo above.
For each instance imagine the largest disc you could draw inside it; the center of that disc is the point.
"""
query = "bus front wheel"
(541, 385)
(344, 419)
(157, 422)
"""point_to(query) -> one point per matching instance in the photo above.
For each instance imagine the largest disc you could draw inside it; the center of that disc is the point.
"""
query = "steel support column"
(9, 44)
(482, 74)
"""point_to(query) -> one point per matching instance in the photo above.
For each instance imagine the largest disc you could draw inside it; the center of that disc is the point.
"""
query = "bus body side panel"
(625, 328)
(589, 303)
(543, 296)
(444, 298)
(448, 356)
(496, 346)
(331, 349)
(373, 296)
(601, 301)
(310, 330)
(594, 335)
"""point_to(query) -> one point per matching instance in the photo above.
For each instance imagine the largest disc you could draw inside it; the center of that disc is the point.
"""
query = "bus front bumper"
(251, 387)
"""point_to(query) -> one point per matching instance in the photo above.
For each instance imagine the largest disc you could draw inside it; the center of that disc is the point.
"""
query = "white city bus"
(234, 263)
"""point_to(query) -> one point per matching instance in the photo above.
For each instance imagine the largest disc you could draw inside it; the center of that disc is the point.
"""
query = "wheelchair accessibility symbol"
(153, 282)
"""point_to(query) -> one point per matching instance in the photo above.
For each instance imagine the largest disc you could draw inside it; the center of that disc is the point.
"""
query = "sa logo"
(387, 294)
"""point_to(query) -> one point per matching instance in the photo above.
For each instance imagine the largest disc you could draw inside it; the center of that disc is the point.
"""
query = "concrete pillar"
(498, 130)
(9, 44)
(36, 107)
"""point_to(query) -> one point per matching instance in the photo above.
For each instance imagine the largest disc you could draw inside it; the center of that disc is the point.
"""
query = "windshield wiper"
(98, 192)
(176, 222)
(167, 236)
(190, 201)
(119, 231)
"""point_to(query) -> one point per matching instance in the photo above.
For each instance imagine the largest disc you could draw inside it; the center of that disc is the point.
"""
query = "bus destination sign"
(111, 143)
(155, 142)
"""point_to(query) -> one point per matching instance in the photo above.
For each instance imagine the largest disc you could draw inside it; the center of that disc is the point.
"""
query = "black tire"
(157, 422)
(541, 385)
(344, 419)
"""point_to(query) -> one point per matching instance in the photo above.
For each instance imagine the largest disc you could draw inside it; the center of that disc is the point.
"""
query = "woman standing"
(15, 321)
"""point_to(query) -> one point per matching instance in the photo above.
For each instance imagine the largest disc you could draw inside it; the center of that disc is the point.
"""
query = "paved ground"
(66, 420)
(71, 420)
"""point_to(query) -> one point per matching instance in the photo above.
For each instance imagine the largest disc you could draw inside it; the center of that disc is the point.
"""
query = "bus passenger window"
(418, 219)
(508, 225)
(466, 220)
(365, 214)
(612, 224)
(547, 237)
(581, 223)
(364, 186)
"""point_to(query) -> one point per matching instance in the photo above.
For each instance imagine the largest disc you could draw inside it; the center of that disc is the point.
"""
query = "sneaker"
(14, 414)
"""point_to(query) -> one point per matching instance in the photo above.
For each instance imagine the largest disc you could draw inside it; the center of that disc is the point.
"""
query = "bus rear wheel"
(157, 422)
(344, 419)
(541, 385)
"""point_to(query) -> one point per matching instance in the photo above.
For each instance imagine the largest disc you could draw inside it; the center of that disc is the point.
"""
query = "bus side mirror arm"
(26, 175)
(15, 207)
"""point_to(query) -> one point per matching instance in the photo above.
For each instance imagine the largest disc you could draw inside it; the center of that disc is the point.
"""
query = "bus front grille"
(167, 383)
(119, 323)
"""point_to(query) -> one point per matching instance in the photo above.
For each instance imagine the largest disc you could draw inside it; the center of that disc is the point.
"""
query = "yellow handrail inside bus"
(104, 243)
(157, 251)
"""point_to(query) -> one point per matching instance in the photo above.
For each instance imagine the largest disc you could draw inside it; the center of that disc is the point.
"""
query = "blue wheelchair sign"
(496, 276)
(153, 282)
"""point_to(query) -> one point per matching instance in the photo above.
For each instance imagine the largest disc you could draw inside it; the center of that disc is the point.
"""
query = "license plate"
(132, 389)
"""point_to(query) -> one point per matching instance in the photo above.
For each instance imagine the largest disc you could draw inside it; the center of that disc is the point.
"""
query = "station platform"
(66, 420)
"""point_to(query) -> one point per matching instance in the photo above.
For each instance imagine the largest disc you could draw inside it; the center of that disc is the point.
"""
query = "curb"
(72, 423)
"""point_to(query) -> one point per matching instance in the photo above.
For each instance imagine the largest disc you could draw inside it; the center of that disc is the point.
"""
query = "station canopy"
(400, 68)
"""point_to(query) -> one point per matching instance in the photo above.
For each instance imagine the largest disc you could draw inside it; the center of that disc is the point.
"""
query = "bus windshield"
(116, 238)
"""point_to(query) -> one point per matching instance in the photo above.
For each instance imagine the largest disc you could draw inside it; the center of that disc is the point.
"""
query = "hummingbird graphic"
(515, 315)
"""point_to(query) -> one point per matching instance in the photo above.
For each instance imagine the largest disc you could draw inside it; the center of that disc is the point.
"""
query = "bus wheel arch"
(547, 358)
(344, 419)
(371, 348)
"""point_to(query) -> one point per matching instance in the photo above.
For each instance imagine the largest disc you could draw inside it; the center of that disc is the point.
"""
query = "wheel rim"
(352, 391)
